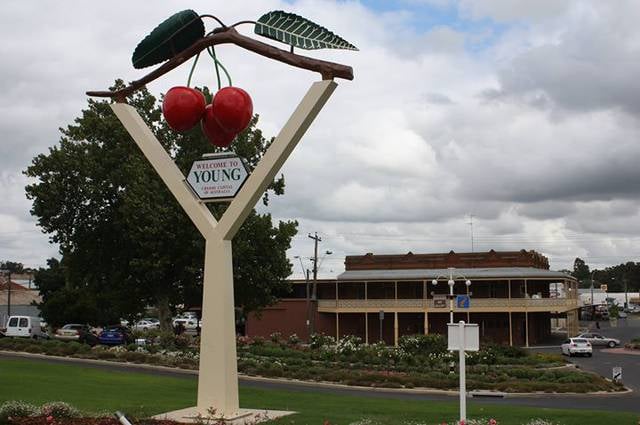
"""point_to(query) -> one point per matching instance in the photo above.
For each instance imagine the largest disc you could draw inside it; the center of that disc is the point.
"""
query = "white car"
(632, 308)
(187, 323)
(25, 326)
(577, 346)
(145, 325)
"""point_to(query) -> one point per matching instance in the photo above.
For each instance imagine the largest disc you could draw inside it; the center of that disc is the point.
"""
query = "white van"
(25, 326)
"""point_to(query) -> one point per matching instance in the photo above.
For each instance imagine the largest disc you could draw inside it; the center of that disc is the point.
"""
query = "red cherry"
(217, 135)
(233, 109)
(183, 107)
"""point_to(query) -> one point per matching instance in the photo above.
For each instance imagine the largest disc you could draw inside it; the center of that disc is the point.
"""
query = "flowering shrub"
(275, 337)
(293, 339)
(317, 341)
(14, 409)
(423, 344)
(58, 410)
(349, 345)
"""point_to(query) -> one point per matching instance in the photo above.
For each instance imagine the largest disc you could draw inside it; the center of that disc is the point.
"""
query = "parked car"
(76, 332)
(597, 339)
(187, 323)
(575, 346)
(145, 325)
(25, 326)
(115, 335)
(632, 308)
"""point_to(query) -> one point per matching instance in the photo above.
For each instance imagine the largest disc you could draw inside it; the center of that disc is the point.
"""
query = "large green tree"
(122, 235)
(580, 269)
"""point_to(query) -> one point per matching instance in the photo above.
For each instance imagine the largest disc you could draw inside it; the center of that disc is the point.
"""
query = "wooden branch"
(328, 70)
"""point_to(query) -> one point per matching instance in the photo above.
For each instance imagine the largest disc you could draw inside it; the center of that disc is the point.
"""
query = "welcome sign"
(217, 177)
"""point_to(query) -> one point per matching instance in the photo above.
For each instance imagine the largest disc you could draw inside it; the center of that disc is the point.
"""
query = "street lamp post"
(451, 282)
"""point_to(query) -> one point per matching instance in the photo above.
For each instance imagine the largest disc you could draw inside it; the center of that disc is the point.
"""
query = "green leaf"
(297, 31)
(171, 37)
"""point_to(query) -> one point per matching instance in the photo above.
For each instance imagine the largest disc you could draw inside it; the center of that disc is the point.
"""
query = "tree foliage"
(580, 269)
(615, 277)
(125, 242)
(12, 266)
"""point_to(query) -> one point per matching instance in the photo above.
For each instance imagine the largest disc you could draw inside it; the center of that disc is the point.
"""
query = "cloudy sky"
(522, 114)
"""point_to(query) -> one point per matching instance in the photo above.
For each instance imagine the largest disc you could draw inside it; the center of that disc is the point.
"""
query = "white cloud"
(534, 132)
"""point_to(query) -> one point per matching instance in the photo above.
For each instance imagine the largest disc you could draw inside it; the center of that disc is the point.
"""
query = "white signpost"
(617, 374)
(218, 377)
(217, 177)
(463, 337)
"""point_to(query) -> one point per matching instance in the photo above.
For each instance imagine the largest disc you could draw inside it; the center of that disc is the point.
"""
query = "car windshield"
(579, 341)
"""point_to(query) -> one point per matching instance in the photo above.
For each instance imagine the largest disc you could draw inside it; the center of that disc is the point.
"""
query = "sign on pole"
(217, 177)
(463, 301)
(617, 374)
(471, 337)
(463, 337)
(439, 301)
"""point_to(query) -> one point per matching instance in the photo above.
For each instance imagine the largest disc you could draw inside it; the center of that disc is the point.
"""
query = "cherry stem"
(212, 53)
(193, 67)
(216, 18)
(243, 22)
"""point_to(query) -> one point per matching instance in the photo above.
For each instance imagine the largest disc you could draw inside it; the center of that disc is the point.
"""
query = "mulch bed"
(41, 420)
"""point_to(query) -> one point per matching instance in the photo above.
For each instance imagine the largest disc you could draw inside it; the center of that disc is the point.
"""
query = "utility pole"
(8, 273)
(9, 295)
(314, 291)
(316, 239)
(626, 299)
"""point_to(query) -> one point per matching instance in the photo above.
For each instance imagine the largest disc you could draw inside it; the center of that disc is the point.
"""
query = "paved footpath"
(629, 401)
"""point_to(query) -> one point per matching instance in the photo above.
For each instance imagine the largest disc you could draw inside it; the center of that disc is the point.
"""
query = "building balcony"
(477, 305)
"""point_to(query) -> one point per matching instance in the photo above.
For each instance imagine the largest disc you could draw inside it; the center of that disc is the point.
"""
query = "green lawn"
(95, 390)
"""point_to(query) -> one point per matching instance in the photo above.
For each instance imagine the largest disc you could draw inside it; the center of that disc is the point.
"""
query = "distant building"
(513, 298)
(22, 299)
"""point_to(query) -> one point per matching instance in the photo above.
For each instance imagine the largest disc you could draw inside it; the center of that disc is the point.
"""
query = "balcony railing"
(476, 303)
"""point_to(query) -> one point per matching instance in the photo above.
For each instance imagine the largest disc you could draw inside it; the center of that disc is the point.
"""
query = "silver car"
(599, 340)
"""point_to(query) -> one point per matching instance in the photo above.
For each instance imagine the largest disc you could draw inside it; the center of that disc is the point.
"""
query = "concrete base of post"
(191, 415)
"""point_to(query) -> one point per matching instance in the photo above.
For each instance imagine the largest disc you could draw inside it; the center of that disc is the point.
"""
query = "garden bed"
(419, 362)
(633, 345)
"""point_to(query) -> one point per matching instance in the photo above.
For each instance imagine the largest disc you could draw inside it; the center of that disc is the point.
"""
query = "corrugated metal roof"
(475, 273)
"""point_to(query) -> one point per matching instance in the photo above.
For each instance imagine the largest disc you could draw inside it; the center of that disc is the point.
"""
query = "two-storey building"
(513, 297)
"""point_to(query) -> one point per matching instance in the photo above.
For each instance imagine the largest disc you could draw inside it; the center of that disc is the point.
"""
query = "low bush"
(423, 344)
(59, 410)
(16, 409)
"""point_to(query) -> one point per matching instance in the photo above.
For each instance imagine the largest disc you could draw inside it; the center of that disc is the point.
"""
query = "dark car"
(114, 335)
(76, 332)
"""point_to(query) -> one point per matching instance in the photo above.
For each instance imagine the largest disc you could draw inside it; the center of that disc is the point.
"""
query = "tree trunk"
(164, 314)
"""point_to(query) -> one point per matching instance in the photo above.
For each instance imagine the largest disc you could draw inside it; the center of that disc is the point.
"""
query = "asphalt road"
(619, 402)
(604, 360)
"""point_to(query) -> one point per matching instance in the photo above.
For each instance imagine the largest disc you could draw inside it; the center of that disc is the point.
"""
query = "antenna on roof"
(471, 227)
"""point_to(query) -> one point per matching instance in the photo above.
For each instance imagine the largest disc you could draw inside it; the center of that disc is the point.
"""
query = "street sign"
(463, 337)
(617, 374)
(471, 337)
(462, 301)
(217, 177)
(439, 301)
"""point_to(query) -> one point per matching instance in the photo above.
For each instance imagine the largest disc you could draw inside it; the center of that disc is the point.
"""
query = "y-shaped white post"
(218, 377)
